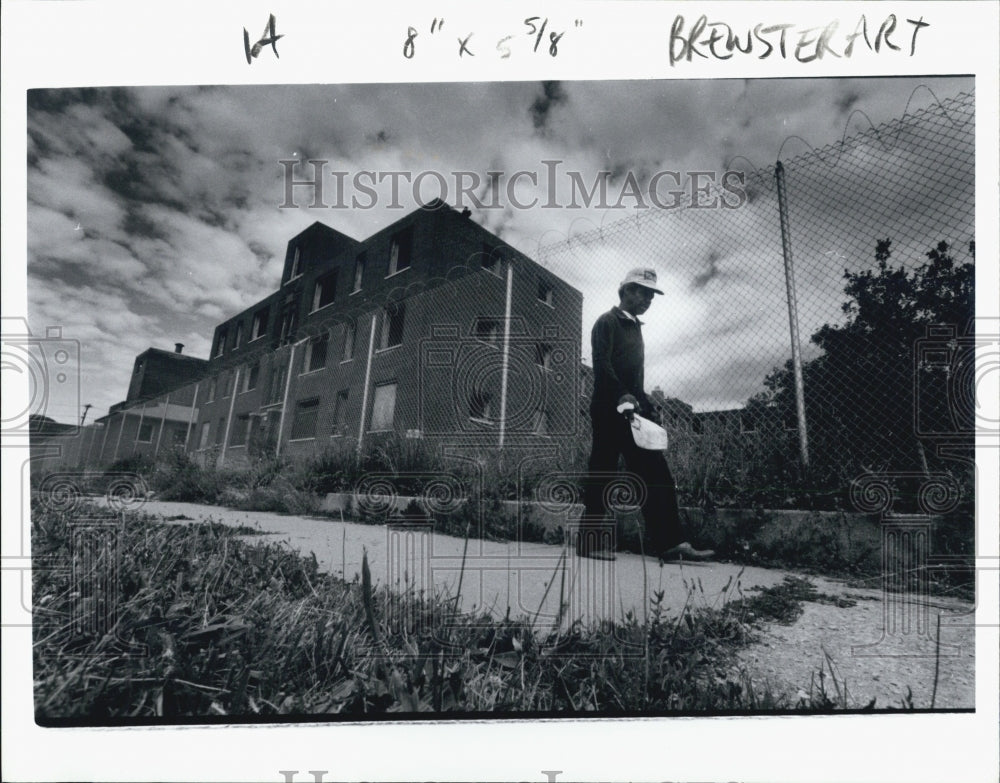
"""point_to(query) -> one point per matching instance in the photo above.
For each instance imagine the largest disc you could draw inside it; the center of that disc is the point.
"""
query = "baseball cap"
(644, 276)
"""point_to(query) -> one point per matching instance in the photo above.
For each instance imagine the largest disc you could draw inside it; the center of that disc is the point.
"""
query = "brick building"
(432, 329)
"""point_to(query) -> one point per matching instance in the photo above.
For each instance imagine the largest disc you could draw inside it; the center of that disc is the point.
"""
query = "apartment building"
(432, 328)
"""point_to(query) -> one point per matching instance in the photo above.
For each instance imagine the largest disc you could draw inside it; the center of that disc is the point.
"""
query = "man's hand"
(627, 405)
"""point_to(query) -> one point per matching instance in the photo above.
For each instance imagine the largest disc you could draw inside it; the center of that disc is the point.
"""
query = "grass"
(476, 490)
(206, 624)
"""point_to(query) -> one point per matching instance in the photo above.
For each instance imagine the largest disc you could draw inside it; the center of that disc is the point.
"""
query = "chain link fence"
(820, 327)
(816, 328)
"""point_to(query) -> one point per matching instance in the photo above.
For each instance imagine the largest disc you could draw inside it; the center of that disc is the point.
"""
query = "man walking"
(619, 357)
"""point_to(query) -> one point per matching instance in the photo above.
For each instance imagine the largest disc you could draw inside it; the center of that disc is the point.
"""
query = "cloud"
(552, 96)
(154, 212)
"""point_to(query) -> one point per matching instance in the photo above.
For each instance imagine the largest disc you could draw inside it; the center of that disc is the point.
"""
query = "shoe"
(685, 550)
(596, 554)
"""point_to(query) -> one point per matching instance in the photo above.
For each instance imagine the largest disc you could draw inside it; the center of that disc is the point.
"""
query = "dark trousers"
(613, 438)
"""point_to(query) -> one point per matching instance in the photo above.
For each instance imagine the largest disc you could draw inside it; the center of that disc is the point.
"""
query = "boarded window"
(383, 407)
(399, 251)
(251, 377)
(203, 443)
(350, 335)
(220, 342)
(259, 324)
(276, 390)
(359, 271)
(544, 293)
(146, 432)
(392, 325)
(304, 423)
(340, 413)
(325, 291)
(289, 322)
(316, 354)
(220, 431)
(238, 434)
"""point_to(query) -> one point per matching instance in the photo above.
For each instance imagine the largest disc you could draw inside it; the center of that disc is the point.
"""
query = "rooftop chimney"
(178, 347)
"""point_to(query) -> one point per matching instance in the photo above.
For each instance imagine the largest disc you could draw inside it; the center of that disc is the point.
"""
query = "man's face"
(636, 299)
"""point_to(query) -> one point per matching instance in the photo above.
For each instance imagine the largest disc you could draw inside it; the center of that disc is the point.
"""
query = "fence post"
(368, 376)
(506, 352)
(793, 313)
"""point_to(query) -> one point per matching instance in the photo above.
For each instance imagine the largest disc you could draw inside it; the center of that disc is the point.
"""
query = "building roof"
(172, 354)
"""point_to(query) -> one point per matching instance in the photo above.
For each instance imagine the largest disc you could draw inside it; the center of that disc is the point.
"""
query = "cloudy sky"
(154, 213)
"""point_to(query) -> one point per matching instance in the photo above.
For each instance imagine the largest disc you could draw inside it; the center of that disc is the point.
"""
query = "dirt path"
(871, 663)
(527, 579)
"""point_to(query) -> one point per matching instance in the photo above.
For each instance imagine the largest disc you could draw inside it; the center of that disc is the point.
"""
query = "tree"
(860, 393)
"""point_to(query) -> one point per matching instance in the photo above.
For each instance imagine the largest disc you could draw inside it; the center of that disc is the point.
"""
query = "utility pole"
(86, 408)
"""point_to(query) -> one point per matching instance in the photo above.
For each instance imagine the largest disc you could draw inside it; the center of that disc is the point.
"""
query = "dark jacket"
(619, 355)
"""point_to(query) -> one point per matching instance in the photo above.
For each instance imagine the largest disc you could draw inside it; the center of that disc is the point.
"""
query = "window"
(289, 321)
(296, 265)
(359, 271)
(220, 431)
(383, 408)
(145, 432)
(239, 335)
(350, 335)
(304, 423)
(545, 293)
(399, 251)
(179, 437)
(543, 356)
(276, 389)
(340, 413)
(210, 391)
(488, 330)
(227, 383)
(238, 434)
(325, 290)
(481, 406)
(220, 342)
(259, 324)
(315, 358)
(203, 443)
(392, 326)
(251, 377)
(491, 260)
